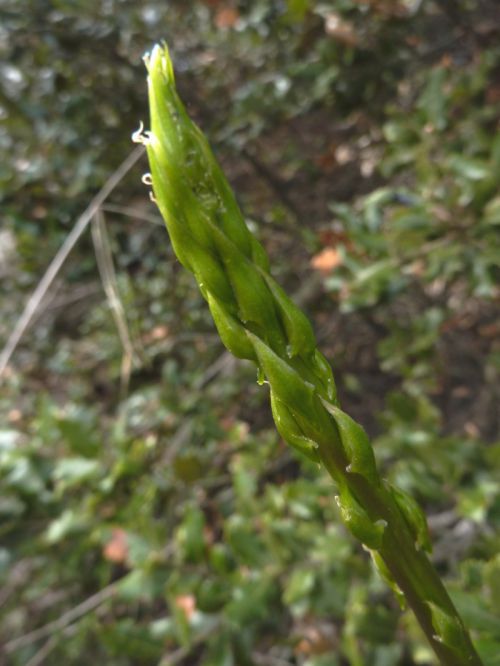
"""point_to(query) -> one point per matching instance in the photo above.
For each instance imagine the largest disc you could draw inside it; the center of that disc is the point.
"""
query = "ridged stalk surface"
(257, 321)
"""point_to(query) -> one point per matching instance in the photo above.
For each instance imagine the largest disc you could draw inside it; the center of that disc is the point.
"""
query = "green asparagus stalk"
(257, 321)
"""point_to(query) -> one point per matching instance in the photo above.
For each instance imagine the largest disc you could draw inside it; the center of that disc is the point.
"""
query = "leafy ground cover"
(149, 512)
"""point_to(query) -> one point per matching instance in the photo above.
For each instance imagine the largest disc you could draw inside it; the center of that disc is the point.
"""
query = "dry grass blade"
(62, 622)
(134, 213)
(107, 272)
(55, 266)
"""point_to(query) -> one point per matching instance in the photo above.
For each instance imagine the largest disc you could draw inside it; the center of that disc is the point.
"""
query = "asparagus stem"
(257, 321)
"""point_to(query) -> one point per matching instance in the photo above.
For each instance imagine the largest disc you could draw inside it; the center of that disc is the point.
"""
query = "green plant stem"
(409, 566)
(415, 575)
(257, 321)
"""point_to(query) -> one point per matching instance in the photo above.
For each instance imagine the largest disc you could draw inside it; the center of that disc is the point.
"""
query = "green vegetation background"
(149, 513)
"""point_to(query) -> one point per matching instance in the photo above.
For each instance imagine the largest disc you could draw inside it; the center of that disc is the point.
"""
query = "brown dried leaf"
(341, 30)
(160, 332)
(116, 550)
(326, 260)
(187, 604)
(315, 641)
(226, 18)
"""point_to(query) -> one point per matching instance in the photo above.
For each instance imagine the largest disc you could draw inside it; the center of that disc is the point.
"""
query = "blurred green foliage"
(160, 520)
